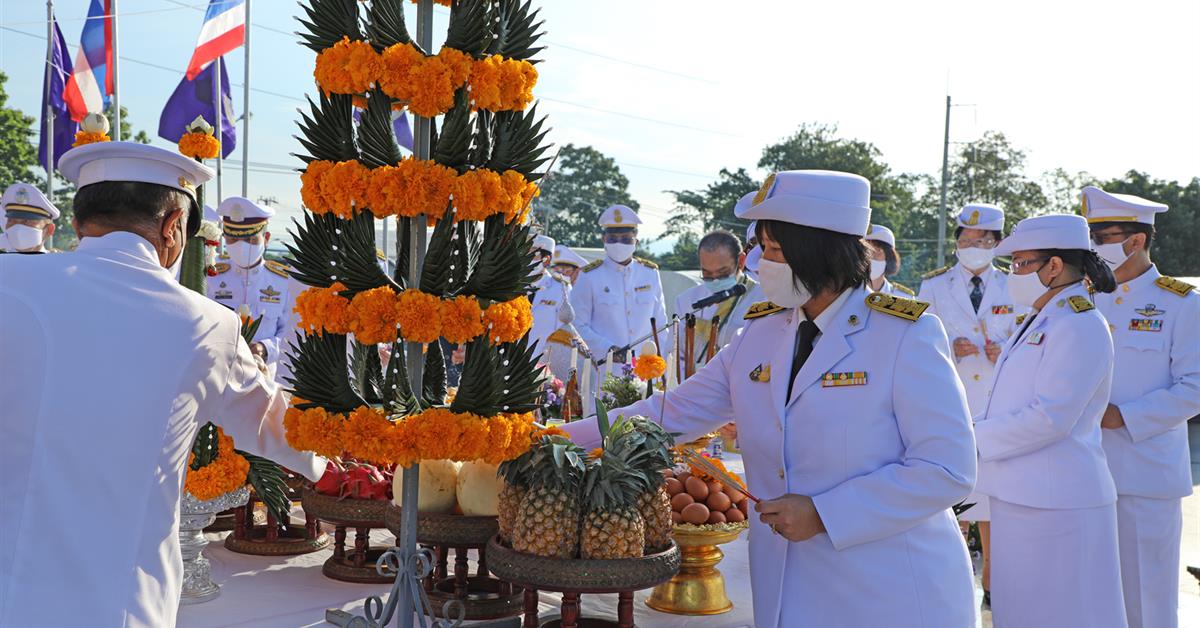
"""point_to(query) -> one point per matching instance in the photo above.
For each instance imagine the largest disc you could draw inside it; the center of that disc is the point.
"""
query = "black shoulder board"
(761, 309)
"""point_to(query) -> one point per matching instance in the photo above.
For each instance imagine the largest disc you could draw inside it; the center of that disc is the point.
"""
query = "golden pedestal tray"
(699, 587)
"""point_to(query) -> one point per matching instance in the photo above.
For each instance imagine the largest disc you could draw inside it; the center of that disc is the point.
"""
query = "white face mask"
(877, 268)
(780, 285)
(618, 252)
(975, 258)
(1113, 254)
(245, 254)
(1025, 289)
(24, 238)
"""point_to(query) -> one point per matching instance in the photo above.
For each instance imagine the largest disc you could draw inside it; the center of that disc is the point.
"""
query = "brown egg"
(674, 487)
(716, 517)
(734, 494)
(668, 473)
(678, 518)
(695, 514)
(683, 476)
(744, 506)
(681, 501)
(696, 488)
(718, 501)
(714, 487)
(733, 515)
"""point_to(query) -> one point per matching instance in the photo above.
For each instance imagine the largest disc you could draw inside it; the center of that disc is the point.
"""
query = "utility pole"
(941, 225)
(246, 112)
(116, 61)
(48, 114)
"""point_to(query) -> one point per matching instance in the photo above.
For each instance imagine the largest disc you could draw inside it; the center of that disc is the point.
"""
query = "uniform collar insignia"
(1150, 310)
(761, 373)
(1036, 338)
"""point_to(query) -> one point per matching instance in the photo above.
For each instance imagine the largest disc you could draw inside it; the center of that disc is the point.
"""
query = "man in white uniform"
(722, 266)
(1155, 324)
(245, 278)
(551, 296)
(971, 299)
(615, 298)
(116, 377)
(567, 262)
(28, 218)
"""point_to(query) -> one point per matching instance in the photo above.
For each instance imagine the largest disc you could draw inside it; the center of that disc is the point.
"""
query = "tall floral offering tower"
(474, 191)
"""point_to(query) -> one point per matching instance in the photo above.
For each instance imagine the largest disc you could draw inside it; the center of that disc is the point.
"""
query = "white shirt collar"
(983, 276)
(120, 241)
(825, 319)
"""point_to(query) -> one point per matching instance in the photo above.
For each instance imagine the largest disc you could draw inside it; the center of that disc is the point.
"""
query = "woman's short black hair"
(1087, 264)
(1129, 228)
(129, 204)
(995, 234)
(890, 257)
(820, 259)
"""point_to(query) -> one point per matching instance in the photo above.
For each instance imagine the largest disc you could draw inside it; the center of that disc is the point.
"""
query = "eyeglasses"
(619, 239)
(1019, 264)
(982, 243)
(1106, 237)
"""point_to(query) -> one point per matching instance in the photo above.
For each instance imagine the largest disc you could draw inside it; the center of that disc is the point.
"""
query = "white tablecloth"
(290, 591)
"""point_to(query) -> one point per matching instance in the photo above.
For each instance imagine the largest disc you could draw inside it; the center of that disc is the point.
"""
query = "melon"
(437, 488)
(479, 489)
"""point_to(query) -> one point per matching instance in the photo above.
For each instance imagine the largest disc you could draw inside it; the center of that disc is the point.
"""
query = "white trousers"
(1150, 531)
(1055, 568)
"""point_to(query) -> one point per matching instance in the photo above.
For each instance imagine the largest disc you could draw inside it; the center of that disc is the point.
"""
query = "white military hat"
(880, 233)
(744, 203)
(130, 161)
(22, 200)
(751, 230)
(981, 216)
(1055, 231)
(619, 216)
(210, 214)
(836, 201)
(242, 217)
(1101, 206)
(564, 255)
(544, 242)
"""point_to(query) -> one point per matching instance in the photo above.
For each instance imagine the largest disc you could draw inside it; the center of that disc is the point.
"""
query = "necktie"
(976, 292)
(804, 346)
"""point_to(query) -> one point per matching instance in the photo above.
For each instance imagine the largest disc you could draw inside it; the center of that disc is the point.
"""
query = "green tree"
(992, 170)
(681, 257)
(583, 184)
(1178, 230)
(712, 206)
(18, 142)
(141, 137)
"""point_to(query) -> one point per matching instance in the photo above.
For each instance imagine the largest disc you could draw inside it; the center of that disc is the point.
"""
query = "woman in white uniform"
(1054, 519)
(852, 424)
(885, 262)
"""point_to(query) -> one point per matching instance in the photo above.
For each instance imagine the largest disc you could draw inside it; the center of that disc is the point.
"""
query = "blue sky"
(675, 91)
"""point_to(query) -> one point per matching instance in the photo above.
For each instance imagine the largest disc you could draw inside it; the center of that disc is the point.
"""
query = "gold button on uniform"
(1120, 300)
(781, 474)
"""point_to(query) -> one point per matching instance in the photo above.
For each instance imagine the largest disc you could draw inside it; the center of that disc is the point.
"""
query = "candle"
(585, 388)
(574, 356)
(608, 365)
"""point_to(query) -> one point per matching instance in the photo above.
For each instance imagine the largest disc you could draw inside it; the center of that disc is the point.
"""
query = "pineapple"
(613, 527)
(655, 508)
(647, 449)
(516, 475)
(547, 523)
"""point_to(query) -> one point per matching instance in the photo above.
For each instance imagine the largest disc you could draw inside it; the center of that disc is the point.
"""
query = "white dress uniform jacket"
(896, 290)
(614, 303)
(1041, 462)
(106, 385)
(884, 453)
(266, 290)
(551, 305)
(1155, 322)
(732, 321)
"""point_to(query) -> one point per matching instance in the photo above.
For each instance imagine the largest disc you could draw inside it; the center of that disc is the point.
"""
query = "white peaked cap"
(880, 233)
(619, 216)
(836, 201)
(981, 216)
(564, 255)
(1101, 206)
(544, 242)
(1055, 231)
(751, 231)
(210, 214)
(23, 198)
(753, 257)
(130, 161)
(239, 209)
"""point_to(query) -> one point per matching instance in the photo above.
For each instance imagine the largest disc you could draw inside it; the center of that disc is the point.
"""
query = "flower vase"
(194, 516)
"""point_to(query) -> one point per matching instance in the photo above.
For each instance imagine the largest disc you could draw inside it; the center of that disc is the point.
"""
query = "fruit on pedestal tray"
(352, 480)
(547, 523)
(646, 448)
(719, 504)
(437, 491)
(516, 475)
(479, 489)
(613, 527)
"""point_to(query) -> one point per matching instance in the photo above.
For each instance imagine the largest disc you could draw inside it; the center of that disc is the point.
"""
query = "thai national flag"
(91, 81)
(224, 30)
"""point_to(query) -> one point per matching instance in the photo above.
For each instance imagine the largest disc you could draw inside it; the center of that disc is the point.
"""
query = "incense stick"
(693, 457)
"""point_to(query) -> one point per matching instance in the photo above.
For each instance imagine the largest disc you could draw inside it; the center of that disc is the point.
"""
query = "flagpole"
(115, 81)
(219, 105)
(246, 113)
(48, 114)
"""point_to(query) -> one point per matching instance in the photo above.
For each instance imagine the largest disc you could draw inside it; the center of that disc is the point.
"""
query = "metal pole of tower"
(116, 99)
(941, 237)
(48, 114)
(219, 107)
(246, 113)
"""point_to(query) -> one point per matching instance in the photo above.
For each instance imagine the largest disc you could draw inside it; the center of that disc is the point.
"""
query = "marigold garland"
(324, 310)
(343, 186)
(461, 319)
(648, 367)
(374, 315)
(84, 137)
(199, 145)
(227, 472)
(419, 315)
(508, 321)
(499, 84)
(347, 67)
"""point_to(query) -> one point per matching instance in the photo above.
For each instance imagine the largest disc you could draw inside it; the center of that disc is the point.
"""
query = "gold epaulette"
(277, 268)
(908, 309)
(1080, 304)
(593, 266)
(221, 267)
(646, 262)
(935, 273)
(905, 289)
(1171, 284)
(560, 336)
(761, 309)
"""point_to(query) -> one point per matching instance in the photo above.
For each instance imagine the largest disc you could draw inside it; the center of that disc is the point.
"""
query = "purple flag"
(399, 127)
(196, 98)
(63, 128)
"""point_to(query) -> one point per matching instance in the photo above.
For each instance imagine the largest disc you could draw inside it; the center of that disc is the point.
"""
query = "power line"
(636, 117)
(182, 5)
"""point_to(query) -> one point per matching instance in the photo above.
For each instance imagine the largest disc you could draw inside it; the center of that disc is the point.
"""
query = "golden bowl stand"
(699, 587)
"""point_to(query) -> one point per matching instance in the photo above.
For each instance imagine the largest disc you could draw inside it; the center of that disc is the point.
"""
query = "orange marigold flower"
(432, 89)
(648, 367)
(485, 82)
(516, 82)
(478, 194)
(508, 321)
(323, 309)
(374, 315)
(310, 186)
(84, 137)
(419, 315)
(227, 472)
(474, 439)
(321, 432)
(461, 319)
(347, 67)
(458, 64)
(366, 435)
(386, 192)
(399, 60)
(199, 145)
(344, 186)
(596, 453)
